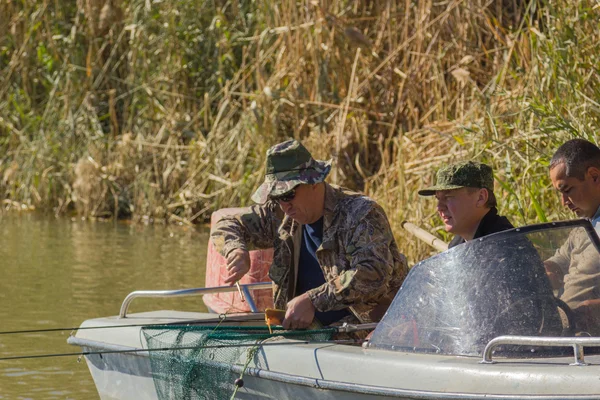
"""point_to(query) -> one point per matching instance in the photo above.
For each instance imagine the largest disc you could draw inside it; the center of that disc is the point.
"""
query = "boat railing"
(245, 288)
(578, 343)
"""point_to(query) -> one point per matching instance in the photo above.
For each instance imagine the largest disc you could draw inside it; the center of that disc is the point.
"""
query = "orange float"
(216, 272)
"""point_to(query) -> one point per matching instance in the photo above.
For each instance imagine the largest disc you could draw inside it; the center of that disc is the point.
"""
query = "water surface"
(59, 272)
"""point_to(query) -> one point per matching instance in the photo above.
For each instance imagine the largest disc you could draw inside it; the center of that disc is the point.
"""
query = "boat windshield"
(457, 301)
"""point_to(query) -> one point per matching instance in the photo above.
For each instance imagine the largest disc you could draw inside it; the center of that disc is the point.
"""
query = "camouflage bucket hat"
(464, 174)
(289, 164)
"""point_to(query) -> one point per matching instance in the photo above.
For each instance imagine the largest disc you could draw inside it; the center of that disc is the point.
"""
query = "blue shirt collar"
(596, 221)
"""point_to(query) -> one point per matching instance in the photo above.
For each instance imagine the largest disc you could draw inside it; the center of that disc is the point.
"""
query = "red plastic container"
(216, 272)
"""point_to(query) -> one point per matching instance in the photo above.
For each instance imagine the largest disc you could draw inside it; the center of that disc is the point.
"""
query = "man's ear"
(594, 173)
(484, 194)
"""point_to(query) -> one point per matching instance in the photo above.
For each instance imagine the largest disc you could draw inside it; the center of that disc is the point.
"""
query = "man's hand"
(555, 274)
(589, 306)
(300, 313)
(238, 264)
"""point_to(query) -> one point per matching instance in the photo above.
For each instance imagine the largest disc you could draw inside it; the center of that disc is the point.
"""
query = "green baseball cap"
(459, 175)
(289, 164)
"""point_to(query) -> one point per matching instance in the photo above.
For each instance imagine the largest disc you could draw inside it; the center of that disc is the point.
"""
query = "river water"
(55, 273)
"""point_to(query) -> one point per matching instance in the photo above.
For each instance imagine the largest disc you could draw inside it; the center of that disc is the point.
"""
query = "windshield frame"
(581, 222)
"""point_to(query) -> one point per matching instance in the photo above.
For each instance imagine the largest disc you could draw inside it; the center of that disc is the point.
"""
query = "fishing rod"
(192, 322)
(425, 236)
(219, 346)
(345, 328)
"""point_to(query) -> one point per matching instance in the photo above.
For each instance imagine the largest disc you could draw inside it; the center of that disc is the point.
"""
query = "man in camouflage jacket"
(358, 257)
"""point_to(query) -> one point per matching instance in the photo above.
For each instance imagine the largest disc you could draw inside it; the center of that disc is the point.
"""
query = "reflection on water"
(57, 273)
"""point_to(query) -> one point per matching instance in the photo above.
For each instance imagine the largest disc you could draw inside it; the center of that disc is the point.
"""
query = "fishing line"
(220, 346)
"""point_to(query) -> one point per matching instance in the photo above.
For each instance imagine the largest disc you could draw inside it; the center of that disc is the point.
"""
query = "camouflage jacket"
(359, 257)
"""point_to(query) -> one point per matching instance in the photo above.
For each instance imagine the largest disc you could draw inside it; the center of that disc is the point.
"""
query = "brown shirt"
(580, 263)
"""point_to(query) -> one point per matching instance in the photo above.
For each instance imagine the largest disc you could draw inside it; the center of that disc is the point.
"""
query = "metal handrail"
(195, 291)
(578, 343)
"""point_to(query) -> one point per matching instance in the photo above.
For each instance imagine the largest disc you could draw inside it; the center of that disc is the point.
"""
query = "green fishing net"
(197, 360)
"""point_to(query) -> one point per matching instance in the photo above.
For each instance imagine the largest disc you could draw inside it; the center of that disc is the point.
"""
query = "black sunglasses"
(286, 197)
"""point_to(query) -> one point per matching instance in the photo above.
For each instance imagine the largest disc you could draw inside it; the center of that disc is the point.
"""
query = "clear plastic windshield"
(528, 281)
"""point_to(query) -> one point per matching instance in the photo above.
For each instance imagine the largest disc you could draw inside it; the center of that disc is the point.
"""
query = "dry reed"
(163, 111)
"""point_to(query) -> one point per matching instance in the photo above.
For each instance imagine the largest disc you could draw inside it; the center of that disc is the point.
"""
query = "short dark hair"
(578, 155)
(491, 201)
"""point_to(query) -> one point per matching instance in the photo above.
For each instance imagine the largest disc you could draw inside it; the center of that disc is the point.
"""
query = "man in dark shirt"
(335, 257)
(466, 201)
(511, 270)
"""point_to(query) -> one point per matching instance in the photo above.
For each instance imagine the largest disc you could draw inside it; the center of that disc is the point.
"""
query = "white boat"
(478, 321)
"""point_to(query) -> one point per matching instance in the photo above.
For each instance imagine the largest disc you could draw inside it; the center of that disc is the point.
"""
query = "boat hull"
(119, 376)
(127, 376)
(329, 371)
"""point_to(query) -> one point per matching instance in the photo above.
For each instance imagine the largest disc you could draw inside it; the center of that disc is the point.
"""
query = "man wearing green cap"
(335, 258)
(466, 201)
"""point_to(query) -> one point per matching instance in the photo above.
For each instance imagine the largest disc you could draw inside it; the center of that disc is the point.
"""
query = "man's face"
(302, 207)
(580, 196)
(459, 210)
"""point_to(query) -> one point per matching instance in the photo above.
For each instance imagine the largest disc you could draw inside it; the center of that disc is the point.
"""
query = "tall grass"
(163, 110)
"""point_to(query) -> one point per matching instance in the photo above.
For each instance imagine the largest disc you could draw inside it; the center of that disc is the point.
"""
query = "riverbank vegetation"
(163, 111)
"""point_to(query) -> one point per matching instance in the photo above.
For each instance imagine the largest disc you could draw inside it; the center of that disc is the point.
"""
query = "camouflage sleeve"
(368, 248)
(253, 227)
